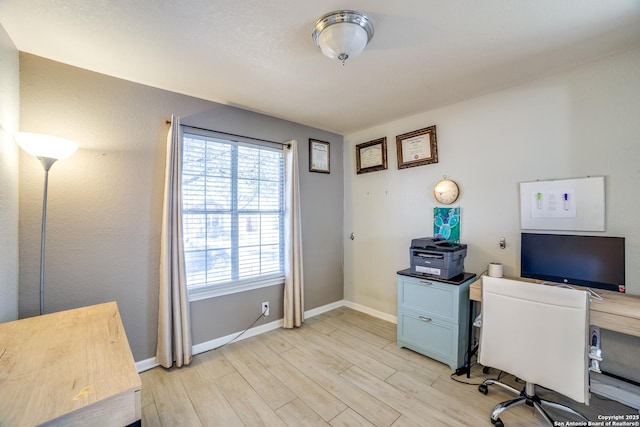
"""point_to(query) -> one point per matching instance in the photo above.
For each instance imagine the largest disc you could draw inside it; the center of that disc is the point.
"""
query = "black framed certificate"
(319, 156)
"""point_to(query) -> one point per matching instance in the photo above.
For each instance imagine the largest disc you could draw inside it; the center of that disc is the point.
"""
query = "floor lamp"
(47, 149)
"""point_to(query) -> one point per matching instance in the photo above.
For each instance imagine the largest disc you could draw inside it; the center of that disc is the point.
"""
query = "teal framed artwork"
(446, 223)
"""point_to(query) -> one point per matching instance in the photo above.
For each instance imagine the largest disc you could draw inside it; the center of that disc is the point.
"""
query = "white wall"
(583, 122)
(9, 107)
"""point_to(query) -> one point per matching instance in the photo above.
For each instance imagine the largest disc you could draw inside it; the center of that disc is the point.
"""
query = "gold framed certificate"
(417, 148)
(371, 156)
(319, 156)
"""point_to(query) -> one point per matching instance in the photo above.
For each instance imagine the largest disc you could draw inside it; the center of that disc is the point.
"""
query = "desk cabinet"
(433, 318)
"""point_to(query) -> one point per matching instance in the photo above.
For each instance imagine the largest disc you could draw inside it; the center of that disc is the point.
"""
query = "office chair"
(539, 334)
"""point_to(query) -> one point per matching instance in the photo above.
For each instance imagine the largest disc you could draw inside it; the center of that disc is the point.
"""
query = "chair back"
(538, 333)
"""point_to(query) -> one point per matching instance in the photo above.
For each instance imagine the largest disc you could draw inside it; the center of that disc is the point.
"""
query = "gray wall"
(9, 107)
(104, 206)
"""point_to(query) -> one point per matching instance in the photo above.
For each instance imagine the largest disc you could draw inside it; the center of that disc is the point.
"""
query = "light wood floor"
(341, 368)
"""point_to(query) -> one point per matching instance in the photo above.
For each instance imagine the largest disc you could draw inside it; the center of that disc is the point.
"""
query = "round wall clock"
(446, 191)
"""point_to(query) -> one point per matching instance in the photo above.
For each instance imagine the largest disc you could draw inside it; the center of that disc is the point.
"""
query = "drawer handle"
(425, 319)
(426, 283)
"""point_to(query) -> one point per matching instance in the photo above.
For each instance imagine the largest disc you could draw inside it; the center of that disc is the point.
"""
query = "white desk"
(69, 368)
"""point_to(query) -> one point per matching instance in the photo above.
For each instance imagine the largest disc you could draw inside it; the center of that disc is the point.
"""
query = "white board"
(563, 204)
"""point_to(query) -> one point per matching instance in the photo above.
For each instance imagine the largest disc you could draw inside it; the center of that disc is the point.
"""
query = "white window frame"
(215, 289)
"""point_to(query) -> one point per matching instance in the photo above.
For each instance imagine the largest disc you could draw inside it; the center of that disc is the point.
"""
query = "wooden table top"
(54, 364)
(617, 312)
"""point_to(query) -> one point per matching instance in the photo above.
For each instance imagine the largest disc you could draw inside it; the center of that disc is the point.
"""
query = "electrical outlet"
(265, 309)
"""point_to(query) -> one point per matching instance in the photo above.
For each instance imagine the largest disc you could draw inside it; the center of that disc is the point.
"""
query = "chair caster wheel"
(483, 389)
(497, 423)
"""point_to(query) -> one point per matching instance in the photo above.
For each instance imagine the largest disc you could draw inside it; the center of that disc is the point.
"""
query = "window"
(233, 215)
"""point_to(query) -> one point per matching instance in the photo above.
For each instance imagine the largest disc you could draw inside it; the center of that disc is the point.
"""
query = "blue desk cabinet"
(433, 317)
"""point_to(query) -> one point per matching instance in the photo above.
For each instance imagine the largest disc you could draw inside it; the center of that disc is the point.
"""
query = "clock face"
(446, 192)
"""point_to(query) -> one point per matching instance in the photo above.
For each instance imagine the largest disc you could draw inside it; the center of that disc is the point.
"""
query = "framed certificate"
(417, 148)
(371, 156)
(319, 156)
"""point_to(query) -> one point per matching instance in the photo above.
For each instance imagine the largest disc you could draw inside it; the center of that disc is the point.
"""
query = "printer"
(437, 257)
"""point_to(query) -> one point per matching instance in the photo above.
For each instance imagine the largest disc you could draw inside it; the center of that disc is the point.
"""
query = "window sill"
(228, 288)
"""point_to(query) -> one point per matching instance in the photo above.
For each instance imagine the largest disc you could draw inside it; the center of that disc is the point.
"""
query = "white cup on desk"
(496, 269)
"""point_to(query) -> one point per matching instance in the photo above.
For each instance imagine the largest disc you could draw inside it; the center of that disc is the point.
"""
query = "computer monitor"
(592, 261)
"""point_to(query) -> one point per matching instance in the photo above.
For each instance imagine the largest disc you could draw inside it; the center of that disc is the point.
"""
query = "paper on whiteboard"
(553, 203)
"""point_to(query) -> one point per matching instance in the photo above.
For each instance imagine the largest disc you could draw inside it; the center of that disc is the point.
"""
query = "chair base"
(527, 396)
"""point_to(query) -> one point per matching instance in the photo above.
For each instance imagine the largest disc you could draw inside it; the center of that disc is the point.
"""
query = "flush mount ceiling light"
(342, 34)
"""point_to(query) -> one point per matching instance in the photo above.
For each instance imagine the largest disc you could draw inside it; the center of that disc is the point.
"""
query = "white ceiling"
(259, 55)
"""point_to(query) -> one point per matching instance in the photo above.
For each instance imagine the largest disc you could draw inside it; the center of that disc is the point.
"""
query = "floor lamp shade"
(40, 145)
(48, 149)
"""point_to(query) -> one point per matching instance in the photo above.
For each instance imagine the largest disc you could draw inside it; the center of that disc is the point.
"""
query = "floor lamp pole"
(48, 149)
(47, 162)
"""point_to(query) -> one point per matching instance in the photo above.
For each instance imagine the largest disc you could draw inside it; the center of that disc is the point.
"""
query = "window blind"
(233, 213)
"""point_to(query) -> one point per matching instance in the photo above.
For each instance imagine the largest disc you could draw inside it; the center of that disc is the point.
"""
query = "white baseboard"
(218, 342)
(372, 312)
(323, 309)
(145, 365)
(150, 363)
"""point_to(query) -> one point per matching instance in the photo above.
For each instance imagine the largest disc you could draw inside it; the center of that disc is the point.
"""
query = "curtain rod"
(231, 134)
